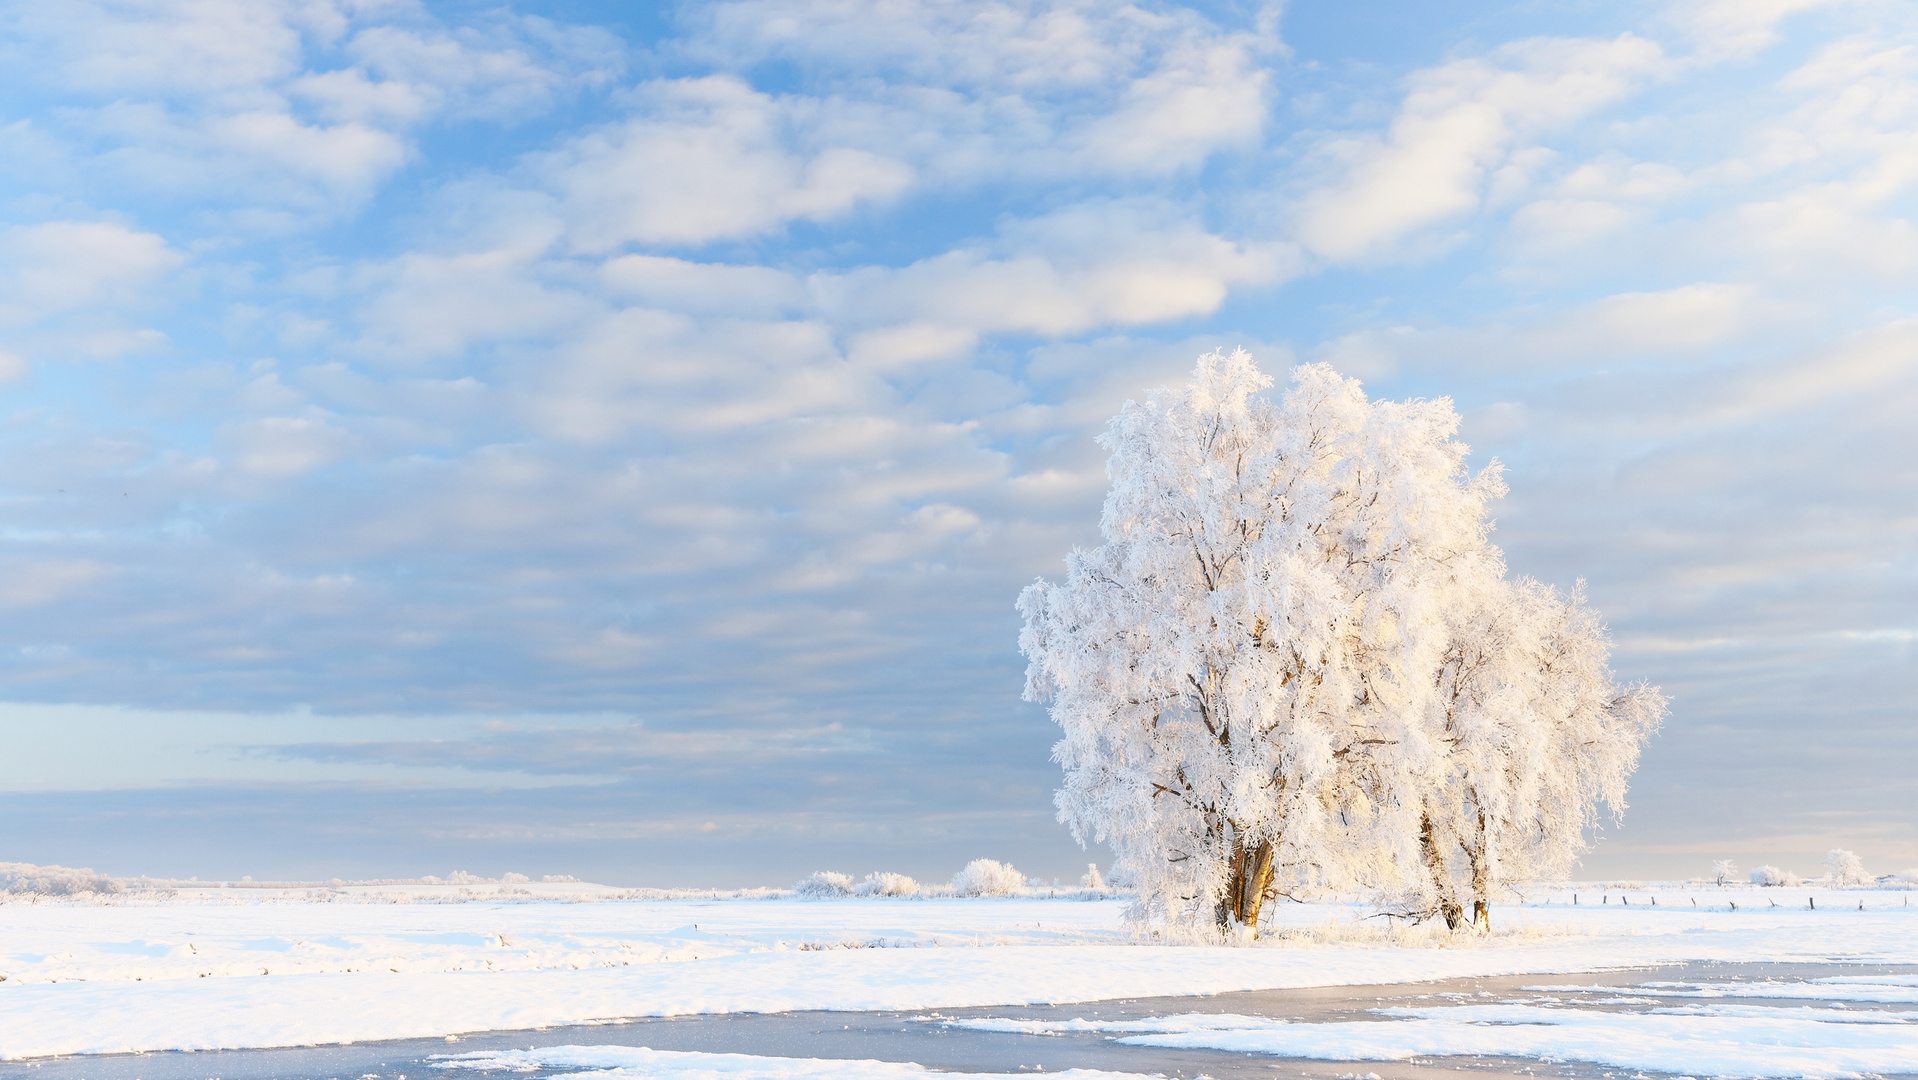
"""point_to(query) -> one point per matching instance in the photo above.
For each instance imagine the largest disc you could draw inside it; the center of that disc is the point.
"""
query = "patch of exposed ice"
(636, 1061)
(1879, 989)
(1729, 1040)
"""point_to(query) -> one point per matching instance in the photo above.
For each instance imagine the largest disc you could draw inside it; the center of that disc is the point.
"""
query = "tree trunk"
(1449, 907)
(1251, 874)
(1481, 877)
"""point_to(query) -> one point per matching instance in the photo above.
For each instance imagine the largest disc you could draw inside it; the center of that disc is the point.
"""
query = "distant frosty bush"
(25, 878)
(1771, 875)
(1724, 871)
(1092, 878)
(1906, 877)
(510, 878)
(559, 878)
(1844, 868)
(824, 885)
(886, 883)
(986, 877)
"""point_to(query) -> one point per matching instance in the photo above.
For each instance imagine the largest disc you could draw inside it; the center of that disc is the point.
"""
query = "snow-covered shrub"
(1906, 877)
(1771, 875)
(1844, 868)
(1092, 880)
(1724, 871)
(25, 878)
(461, 877)
(987, 877)
(559, 879)
(886, 883)
(824, 885)
(510, 878)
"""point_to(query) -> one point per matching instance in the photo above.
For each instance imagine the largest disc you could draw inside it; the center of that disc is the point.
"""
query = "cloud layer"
(720, 388)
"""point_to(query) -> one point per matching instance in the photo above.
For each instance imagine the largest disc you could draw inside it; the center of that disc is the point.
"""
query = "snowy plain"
(211, 967)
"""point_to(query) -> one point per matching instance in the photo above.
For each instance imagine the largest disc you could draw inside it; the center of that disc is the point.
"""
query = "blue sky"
(604, 439)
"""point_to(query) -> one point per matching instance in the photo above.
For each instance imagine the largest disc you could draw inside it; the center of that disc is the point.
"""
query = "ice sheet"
(1762, 1043)
(622, 1061)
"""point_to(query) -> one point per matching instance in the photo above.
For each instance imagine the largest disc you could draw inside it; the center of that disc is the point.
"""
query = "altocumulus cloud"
(617, 447)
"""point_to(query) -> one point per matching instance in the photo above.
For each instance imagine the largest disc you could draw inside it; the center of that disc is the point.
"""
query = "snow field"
(260, 969)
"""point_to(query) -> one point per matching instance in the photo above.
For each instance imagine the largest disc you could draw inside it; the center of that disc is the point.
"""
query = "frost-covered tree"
(987, 877)
(824, 885)
(1295, 661)
(1534, 736)
(1844, 868)
(886, 883)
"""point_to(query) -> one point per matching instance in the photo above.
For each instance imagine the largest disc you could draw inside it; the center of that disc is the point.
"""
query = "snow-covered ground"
(212, 967)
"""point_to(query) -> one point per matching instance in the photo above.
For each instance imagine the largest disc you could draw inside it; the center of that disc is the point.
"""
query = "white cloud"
(1202, 98)
(641, 370)
(1721, 29)
(1456, 126)
(1595, 200)
(80, 288)
(277, 447)
(1837, 164)
(278, 170)
(60, 266)
(224, 48)
(910, 343)
(515, 68)
(920, 532)
(1116, 264)
(1553, 228)
(426, 307)
(348, 95)
(1685, 319)
(1664, 327)
(1873, 361)
(1031, 89)
(676, 284)
(708, 158)
(232, 103)
(1021, 46)
(32, 584)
